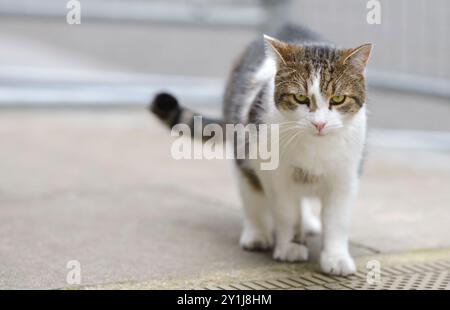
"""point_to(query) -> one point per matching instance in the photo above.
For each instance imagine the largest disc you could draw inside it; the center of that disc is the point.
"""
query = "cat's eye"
(337, 99)
(301, 98)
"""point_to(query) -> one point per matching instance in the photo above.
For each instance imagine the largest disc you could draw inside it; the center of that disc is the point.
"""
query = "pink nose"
(319, 125)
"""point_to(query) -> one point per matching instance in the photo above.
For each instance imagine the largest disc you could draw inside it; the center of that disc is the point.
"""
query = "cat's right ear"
(359, 56)
(276, 49)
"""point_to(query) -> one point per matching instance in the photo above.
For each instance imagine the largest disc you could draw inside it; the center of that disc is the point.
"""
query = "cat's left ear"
(359, 56)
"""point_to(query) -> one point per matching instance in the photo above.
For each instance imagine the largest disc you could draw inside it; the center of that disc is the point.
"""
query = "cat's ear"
(358, 57)
(276, 49)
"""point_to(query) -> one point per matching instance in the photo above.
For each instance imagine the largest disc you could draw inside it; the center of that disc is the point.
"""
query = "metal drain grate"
(424, 276)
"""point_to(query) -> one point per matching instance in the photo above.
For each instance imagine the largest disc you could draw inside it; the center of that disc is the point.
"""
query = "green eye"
(337, 99)
(301, 98)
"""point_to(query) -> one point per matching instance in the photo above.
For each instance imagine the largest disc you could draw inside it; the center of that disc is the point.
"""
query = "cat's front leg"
(337, 201)
(286, 216)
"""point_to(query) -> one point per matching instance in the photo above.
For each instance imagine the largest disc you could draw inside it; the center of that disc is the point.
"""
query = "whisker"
(286, 147)
(289, 128)
(287, 123)
(290, 141)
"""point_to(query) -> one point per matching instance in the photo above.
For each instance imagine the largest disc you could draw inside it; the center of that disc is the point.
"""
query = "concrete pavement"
(99, 186)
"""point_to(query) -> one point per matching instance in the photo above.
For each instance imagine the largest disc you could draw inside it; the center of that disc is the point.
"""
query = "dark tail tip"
(164, 105)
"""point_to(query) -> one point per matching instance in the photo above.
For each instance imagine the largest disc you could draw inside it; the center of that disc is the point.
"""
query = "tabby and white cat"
(316, 93)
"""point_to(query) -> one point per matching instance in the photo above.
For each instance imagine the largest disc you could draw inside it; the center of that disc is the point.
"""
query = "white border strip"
(64, 86)
(424, 85)
(409, 139)
(43, 86)
(93, 95)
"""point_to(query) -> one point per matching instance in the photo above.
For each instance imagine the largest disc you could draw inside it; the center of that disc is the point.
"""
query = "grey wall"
(413, 36)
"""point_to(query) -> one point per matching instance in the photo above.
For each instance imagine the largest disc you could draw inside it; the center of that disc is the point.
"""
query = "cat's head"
(319, 86)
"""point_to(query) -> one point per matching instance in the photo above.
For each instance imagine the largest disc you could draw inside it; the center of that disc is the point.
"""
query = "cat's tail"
(167, 109)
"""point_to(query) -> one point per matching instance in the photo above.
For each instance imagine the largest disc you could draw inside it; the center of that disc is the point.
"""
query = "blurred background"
(86, 172)
(124, 51)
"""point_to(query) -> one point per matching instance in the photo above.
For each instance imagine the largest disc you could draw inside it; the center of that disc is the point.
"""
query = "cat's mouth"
(319, 133)
(326, 131)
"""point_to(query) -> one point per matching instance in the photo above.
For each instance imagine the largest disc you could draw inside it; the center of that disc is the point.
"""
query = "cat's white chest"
(326, 155)
(316, 155)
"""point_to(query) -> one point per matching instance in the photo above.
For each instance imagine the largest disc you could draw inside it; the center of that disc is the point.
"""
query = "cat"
(315, 92)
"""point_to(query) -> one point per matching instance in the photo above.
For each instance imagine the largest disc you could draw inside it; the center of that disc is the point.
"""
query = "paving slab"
(99, 186)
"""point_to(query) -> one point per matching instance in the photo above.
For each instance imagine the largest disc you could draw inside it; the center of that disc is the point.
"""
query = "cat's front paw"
(291, 252)
(252, 240)
(310, 227)
(337, 264)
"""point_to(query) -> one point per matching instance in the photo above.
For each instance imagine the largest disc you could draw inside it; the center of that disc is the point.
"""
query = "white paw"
(337, 264)
(253, 240)
(291, 252)
(311, 225)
